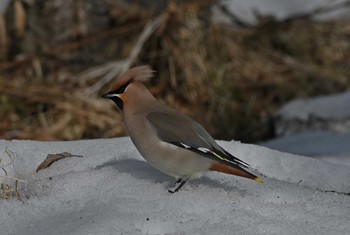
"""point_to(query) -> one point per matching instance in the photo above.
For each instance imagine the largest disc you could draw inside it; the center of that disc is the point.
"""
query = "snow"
(318, 127)
(3, 6)
(280, 9)
(323, 113)
(325, 107)
(111, 190)
(323, 145)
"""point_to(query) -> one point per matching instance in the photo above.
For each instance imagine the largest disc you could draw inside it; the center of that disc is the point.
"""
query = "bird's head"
(126, 84)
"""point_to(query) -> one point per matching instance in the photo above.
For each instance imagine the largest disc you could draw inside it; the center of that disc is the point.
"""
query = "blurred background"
(231, 65)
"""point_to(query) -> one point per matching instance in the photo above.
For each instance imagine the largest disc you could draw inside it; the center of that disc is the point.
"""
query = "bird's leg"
(178, 185)
(175, 186)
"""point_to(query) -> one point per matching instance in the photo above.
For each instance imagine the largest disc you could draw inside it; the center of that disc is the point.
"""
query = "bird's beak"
(115, 98)
(109, 95)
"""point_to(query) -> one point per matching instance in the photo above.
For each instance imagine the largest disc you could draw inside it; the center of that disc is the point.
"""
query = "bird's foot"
(178, 185)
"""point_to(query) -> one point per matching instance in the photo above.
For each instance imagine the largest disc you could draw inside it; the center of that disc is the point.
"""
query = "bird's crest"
(139, 73)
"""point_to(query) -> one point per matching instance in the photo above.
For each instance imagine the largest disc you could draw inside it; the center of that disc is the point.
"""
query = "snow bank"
(318, 127)
(3, 5)
(329, 112)
(111, 190)
(325, 107)
(324, 145)
(280, 9)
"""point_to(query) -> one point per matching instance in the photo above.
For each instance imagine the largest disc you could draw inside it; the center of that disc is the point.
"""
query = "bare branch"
(122, 66)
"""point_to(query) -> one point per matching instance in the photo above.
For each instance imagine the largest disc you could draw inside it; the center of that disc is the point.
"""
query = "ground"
(112, 190)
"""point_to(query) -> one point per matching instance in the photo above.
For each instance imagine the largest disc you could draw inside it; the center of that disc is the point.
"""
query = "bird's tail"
(234, 171)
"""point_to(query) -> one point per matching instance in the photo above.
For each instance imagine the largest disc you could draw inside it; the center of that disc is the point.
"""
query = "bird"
(167, 139)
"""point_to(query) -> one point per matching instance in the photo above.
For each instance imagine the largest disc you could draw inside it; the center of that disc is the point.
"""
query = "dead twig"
(18, 195)
(97, 71)
(27, 59)
(3, 37)
(93, 38)
(6, 190)
(234, 19)
(123, 65)
(12, 178)
(10, 154)
(20, 18)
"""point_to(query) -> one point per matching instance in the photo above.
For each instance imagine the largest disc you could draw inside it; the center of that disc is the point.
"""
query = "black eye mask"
(122, 88)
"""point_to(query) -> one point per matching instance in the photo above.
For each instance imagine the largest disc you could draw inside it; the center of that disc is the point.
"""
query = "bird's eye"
(122, 88)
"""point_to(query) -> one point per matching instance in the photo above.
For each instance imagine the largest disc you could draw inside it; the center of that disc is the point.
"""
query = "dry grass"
(230, 80)
(8, 183)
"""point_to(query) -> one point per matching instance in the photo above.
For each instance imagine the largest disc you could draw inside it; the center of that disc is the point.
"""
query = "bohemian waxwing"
(169, 140)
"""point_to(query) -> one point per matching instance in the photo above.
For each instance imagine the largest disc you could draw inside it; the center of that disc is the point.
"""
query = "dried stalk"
(6, 190)
(97, 71)
(12, 178)
(123, 65)
(3, 37)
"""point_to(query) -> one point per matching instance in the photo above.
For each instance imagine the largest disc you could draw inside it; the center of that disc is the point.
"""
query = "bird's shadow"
(138, 169)
(142, 170)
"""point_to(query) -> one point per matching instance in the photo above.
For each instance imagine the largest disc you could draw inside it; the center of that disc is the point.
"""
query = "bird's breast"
(168, 158)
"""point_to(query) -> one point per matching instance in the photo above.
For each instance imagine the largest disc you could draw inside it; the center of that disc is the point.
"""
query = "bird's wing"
(180, 130)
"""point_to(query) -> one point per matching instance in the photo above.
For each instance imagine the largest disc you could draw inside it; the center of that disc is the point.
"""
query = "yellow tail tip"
(257, 179)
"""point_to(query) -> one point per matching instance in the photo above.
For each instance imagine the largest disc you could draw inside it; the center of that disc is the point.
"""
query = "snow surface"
(3, 5)
(325, 107)
(324, 145)
(280, 9)
(329, 113)
(111, 190)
